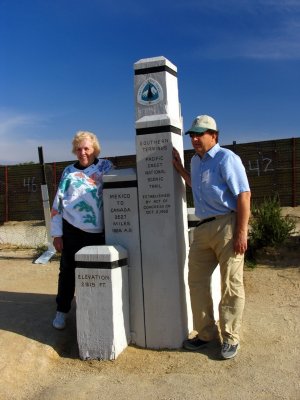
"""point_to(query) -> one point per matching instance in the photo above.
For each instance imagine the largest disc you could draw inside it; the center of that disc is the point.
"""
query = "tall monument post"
(162, 204)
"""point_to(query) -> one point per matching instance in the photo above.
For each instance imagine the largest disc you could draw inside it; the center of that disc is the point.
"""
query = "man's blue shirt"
(217, 179)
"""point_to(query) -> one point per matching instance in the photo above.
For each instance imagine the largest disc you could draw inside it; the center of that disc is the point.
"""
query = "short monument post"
(102, 309)
(162, 204)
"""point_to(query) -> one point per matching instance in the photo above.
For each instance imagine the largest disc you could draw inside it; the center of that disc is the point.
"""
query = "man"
(222, 202)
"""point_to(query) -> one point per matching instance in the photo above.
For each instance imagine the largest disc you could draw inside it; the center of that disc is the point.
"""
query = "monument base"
(102, 299)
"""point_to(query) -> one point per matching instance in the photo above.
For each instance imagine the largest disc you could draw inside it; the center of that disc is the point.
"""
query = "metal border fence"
(273, 168)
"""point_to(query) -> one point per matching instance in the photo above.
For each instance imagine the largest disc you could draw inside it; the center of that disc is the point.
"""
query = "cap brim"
(196, 130)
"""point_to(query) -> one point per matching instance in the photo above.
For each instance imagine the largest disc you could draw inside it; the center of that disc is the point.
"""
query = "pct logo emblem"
(150, 92)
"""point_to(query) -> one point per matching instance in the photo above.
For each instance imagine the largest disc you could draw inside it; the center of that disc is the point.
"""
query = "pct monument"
(162, 204)
(145, 212)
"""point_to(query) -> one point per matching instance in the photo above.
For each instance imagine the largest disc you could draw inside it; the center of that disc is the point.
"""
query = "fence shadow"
(31, 314)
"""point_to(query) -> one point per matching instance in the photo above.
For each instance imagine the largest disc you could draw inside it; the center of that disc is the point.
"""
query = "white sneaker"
(59, 321)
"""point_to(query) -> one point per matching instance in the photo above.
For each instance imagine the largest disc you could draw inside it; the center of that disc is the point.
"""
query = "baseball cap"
(201, 124)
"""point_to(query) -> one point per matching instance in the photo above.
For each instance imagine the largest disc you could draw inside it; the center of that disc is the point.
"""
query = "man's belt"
(206, 220)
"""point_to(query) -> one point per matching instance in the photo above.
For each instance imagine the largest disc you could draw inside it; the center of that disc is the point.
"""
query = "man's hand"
(180, 168)
(242, 218)
(240, 242)
(177, 160)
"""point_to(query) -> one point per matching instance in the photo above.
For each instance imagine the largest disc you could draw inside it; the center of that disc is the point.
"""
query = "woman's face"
(85, 152)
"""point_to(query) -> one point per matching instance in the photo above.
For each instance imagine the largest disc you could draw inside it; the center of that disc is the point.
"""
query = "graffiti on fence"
(29, 183)
(265, 165)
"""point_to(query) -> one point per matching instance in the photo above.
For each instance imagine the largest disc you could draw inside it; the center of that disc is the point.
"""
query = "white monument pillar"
(122, 227)
(102, 305)
(162, 204)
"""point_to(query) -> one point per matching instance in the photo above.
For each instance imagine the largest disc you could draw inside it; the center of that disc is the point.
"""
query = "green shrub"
(267, 226)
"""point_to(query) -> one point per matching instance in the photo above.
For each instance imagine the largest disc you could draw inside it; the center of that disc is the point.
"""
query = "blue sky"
(67, 65)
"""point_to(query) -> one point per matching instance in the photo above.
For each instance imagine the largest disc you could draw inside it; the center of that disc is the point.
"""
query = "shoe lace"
(60, 316)
(226, 346)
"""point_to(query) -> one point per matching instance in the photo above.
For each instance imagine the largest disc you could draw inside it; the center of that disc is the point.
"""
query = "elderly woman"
(77, 215)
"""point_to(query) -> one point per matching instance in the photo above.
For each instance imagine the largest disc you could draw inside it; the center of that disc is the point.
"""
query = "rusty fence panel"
(273, 168)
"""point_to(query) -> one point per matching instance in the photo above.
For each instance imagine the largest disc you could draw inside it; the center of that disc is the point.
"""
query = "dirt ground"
(38, 362)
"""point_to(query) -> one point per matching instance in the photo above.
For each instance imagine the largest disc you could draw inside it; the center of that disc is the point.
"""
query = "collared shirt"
(217, 179)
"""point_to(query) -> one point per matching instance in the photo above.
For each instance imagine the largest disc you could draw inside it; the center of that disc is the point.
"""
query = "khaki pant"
(213, 245)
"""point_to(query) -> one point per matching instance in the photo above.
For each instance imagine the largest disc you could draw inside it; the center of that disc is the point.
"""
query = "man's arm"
(243, 215)
(180, 168)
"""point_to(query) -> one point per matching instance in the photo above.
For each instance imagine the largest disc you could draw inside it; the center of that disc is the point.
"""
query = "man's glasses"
(195, 134)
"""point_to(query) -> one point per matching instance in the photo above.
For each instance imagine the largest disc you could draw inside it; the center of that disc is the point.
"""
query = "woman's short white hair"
(80, 136)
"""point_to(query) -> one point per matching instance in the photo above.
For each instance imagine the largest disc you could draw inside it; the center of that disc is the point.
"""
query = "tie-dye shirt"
(79, 198)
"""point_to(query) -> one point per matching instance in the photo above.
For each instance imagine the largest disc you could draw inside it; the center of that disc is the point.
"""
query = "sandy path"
(38, 362)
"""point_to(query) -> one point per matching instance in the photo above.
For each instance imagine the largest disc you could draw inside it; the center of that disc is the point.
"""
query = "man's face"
(203, 142)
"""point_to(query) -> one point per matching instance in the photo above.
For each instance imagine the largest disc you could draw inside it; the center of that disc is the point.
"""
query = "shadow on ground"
(284, 255)
(31, 314)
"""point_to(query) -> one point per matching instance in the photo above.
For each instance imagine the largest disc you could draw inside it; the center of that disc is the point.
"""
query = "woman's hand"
(58, 244)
